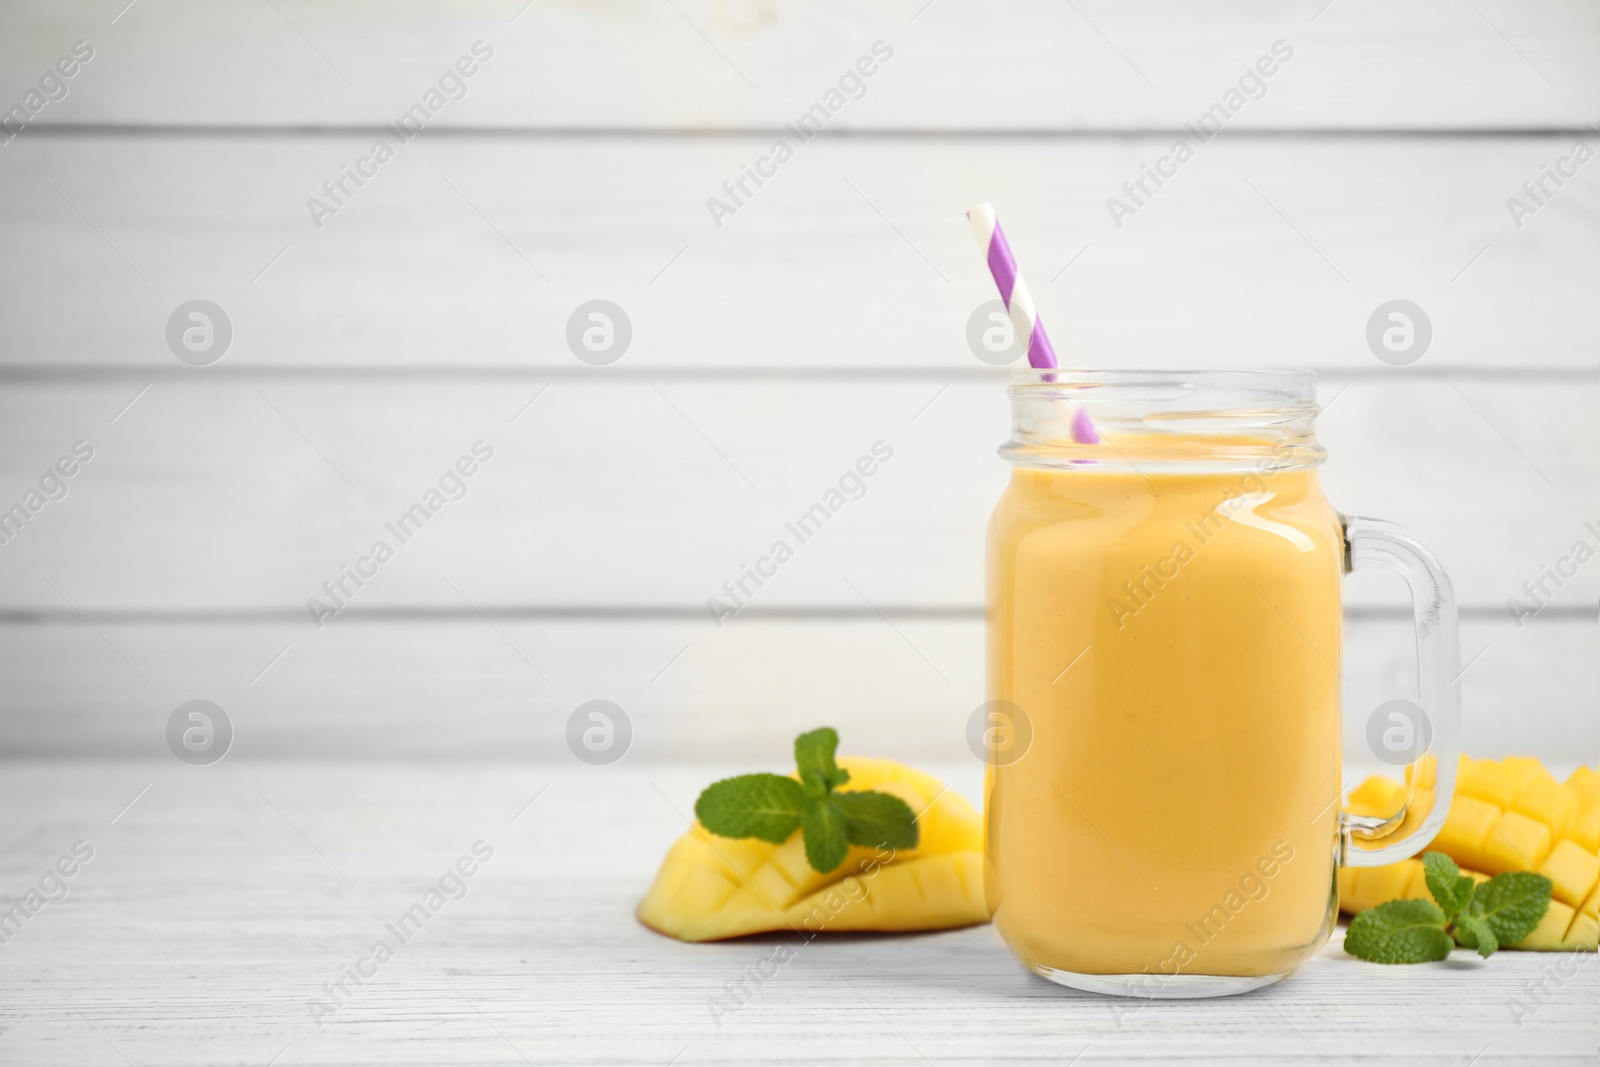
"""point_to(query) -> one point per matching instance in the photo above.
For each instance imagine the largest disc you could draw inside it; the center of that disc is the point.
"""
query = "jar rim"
(1289, 383)
(1177, 419)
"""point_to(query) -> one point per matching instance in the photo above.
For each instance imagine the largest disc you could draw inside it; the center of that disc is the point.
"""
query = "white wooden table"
(218, 903)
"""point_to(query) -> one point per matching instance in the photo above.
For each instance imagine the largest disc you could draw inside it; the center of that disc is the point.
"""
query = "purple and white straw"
(1013, 290)
(1019, 304)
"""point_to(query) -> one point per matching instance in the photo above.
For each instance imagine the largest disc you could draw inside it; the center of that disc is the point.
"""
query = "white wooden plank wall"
(769, 352)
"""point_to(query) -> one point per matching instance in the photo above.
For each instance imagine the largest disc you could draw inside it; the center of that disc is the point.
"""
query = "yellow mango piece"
(1421, 806)
(712, 887)
(1582, 934)
(1585, 781)
(1417, 888)
(1523, 769)
(1551, 931)
(1378, 796)
(1391, 882)
(1572, 870)
(1465, 830)
(1492, 782)
(1426, 770)
(1562, 928)
(1591, 906)
(1516, 843)
(1586, 827)
(1548, 801)
(1527, 766)
(1361, 888)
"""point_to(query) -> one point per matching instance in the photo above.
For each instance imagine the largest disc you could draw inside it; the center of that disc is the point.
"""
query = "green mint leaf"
(1512, 904)
(1401, 931)
(763, 806)
(877, 820)
(1475, 932)
(823, 824)
(1444, 882)
(813, 757)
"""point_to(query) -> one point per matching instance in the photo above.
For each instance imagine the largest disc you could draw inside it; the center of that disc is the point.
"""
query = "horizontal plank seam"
(201, 129)
(89, 373)
(636, 612)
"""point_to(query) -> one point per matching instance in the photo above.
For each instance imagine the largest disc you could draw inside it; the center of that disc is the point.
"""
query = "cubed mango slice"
(712, 887)
(1548, 801)
(1586, 827)
(1390, 882)
(1426, 770)
(1523, 766)
(1507, 815)
(1465, 830)
(1517, 843)
(1491, 781)
(1552, 929)
(1378, 796)
(1583, 934)
(1585, 781)
(1417, 888)
(1572, 871)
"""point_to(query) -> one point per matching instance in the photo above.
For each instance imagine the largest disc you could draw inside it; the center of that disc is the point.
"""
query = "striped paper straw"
(1013, 290)
(1019, 304)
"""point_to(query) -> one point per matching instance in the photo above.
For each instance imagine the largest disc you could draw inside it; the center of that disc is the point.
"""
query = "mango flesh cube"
(1585, 781)
(1377, 796)
(1419, 890)
(1465, 830)
(1426, 770)
(1523, 769)
(1551, 931)
(712, 887)
(1491, 781)
(1421, 806)
(1572, 872)
(1517, 843)
(1582, 934)
(1361, 888)
(1548, 801)
(1586, 827)
(1390, 882)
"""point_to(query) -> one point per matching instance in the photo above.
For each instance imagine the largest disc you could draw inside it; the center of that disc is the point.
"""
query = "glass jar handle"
(1370, 841)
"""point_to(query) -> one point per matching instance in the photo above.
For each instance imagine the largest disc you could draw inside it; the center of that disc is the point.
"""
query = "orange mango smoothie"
(1172, 639)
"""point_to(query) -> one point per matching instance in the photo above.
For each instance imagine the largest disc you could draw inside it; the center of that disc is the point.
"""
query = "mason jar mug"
(1162, 805)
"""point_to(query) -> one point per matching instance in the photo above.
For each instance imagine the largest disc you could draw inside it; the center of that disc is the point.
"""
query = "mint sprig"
(1512, 904)
(763, 806)
(813, 758)
(771, 807)
(1450, 888)
(1401, 931)
(825, 830)
(1501, 911)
